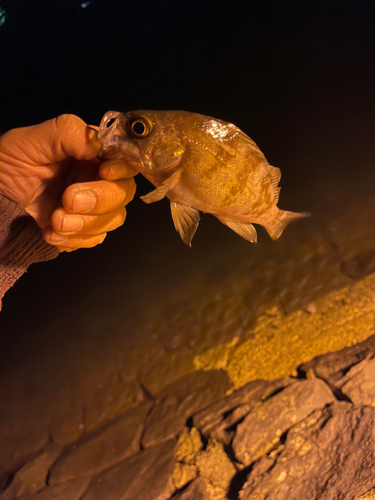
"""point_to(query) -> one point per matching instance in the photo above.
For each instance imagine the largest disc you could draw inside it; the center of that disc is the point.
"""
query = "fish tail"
(282, 221)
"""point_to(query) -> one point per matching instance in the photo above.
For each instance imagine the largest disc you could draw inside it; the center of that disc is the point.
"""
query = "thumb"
(55, 140)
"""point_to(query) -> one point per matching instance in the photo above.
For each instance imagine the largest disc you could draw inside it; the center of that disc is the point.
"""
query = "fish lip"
(111, 135)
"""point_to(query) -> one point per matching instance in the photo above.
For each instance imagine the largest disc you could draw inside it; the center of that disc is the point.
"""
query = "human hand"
(51, 170)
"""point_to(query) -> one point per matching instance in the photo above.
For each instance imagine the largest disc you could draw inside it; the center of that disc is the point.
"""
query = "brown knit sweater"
(21, 243)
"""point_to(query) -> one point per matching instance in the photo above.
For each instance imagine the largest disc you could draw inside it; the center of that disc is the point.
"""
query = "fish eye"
(140, 127)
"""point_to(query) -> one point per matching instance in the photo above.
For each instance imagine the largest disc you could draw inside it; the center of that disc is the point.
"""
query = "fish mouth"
(111, 135)
(116, 145)
(112, 124)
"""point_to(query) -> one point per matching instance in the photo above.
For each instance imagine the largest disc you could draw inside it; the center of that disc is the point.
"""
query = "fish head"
(150, 141)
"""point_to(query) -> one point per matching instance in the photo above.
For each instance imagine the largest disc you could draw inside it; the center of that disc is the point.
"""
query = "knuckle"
(68, 125)
(62, 122)
(56, 221)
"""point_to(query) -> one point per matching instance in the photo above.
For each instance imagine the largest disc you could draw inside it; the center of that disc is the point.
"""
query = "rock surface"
(215, 466)
(359, 383)
(263, 427)
(110, 446)
(332, 366)
(329, 455)
(71, 490)
(282, 439)
(32, 476)
(180, 400)
(145, 475)
(197, 490)
(216, 415)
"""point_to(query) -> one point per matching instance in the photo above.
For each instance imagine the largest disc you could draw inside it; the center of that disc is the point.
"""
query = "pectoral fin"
(185, 220)
(159, 193)
(246, 230)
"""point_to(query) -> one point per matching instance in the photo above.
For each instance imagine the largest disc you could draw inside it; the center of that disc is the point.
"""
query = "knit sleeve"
(21, 243)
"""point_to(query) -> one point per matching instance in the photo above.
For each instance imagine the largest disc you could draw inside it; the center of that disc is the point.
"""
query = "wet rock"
(108, 400)
(358, 266)
(32, 477)
(221, 415)
(183, 474)
(359, 383)
(313, 278)
(220, 321)
(188, 445)
(103, 450)
(18, 444)
(262, 428)
(369, 495)
(329, 455)
(215, 466)
(196, 490)
(332, 366)
(279, 343)
(161, 367)
(143, 476)
(71, 490)
(180, 400)
(67, 418)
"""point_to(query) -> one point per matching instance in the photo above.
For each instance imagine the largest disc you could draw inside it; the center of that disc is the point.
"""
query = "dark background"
(295, 76)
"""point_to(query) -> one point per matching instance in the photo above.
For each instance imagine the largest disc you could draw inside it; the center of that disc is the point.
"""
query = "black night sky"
(294, 75)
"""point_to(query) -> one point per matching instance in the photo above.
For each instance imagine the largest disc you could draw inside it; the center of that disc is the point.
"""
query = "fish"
(201, 164)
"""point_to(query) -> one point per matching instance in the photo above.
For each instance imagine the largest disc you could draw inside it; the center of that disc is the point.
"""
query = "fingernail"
(71, 223)
(57, 238)
(83, 201)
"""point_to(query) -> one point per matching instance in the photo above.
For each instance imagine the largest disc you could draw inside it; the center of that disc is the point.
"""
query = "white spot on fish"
(216, 129)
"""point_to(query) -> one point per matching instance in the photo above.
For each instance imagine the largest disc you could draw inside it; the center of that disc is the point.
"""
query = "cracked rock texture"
(263, 428)
(283, 439)
(331, 454)
(178, 401)
(197, 490)
(115, 443)
(146, 474)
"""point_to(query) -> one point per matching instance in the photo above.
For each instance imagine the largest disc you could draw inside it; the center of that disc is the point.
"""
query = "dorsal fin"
(275, 176)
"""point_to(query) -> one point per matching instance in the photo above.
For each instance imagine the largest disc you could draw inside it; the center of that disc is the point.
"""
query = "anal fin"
(185, 220)
(159, 193)
(245, 230)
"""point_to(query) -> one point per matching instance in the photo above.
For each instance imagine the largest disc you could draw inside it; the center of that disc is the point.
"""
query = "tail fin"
(284, 218)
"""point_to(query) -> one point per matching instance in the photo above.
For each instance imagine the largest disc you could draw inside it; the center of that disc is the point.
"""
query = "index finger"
(52, 141)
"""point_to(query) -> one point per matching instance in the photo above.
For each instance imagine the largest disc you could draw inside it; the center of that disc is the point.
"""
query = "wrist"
(21, 243)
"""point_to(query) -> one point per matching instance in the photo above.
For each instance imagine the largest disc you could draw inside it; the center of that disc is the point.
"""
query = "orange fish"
(201, 164)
